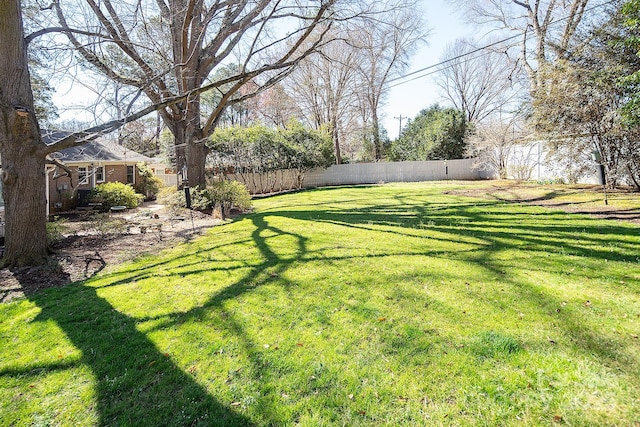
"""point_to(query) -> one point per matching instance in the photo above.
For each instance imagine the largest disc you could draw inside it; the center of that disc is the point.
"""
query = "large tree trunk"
(191, 150)
(21, 148)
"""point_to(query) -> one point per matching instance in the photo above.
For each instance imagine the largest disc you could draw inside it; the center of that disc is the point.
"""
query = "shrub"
(229, 194)
(170, 198)
(116, 194)
(175, 200)
(199, 199)
(150, 184)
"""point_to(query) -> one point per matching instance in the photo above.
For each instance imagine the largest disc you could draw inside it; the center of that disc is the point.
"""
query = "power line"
(401, 118)
(452, 59)
(482, 48)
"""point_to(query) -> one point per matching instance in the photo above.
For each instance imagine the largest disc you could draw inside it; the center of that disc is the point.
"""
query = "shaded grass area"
(385, 305)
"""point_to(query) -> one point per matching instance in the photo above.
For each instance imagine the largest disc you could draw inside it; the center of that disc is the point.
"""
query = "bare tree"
(543, 29)
(345, 87)
(277, 107)
(493, 142)
(477, 82)
(169, 48)
(22, 151)
(325, 88)
(23, 154)
(385, 46)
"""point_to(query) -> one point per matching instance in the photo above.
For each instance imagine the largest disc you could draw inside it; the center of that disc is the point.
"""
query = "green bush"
(170, 198)
(175, 200)
(116, 194)
(229, 194)
(150, 184)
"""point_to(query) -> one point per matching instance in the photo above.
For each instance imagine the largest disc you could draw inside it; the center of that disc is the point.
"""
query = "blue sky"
(408, 99)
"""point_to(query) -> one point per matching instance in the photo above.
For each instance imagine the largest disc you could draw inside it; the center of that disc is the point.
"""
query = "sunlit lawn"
(387, 305)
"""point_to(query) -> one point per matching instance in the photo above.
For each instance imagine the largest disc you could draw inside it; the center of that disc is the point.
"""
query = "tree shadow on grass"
(529, 229)
(135, 384)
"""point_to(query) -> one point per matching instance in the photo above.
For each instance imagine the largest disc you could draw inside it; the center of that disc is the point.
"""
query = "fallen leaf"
(300, 344)
(381, 319)
(153, 362)
(557, 419)
(362, 413)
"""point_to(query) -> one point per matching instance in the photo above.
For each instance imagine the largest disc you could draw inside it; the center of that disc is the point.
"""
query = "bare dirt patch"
(90, 243)
(623, 204)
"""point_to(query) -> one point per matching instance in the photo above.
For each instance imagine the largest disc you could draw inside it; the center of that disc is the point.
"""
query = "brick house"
(91, 164)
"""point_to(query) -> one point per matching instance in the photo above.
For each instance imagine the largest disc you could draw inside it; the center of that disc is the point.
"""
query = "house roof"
(100, 151)
(94, 151)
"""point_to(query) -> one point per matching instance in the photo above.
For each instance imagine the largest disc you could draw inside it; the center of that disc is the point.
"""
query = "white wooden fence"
(361, 173)
(372, 173)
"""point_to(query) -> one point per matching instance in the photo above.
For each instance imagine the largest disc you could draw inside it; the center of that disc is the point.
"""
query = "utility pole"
(400, 128)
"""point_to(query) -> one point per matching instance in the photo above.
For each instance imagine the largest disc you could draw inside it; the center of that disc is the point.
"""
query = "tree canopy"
(436, 133)
(587, 97)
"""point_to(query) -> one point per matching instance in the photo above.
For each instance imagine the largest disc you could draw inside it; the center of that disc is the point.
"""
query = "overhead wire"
(446, 63)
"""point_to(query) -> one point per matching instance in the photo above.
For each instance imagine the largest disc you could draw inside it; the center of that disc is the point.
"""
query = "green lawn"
(393, 305)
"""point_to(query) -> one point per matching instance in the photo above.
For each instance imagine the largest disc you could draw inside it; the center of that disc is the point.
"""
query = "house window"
(83, 175)
(130, 170)
(99, 173)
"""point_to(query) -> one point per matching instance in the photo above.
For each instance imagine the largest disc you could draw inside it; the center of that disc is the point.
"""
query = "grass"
(579, 197)
(390, 305)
